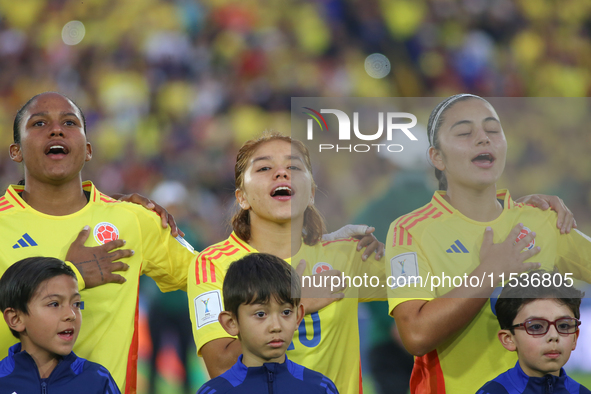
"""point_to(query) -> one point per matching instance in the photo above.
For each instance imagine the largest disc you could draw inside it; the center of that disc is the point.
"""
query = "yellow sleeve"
(574, 255)
(407, 270)
(376, 286)
(205, 300)
(165, 258)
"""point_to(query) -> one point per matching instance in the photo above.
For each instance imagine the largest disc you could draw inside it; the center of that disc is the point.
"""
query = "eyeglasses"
(565, 325)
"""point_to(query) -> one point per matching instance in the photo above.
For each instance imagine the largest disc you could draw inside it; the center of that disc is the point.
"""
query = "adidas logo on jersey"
(24, 242)
(457, 247)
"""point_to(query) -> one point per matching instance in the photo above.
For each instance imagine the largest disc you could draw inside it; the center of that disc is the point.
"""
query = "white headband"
(443, 107)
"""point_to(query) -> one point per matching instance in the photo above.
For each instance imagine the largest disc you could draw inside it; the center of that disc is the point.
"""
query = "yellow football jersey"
(326, 341)
(110, 313)
(437, 240)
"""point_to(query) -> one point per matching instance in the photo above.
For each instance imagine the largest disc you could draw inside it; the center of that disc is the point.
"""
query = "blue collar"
(237, 374)
(517, 378)
(16, 355)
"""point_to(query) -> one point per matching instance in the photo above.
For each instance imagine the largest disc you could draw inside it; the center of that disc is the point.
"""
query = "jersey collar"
(441, 203)
(242, 244)
(519, 378)
(12, 198)
(249, 249)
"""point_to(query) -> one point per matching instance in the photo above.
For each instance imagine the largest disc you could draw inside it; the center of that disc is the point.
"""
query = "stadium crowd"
(172, 88)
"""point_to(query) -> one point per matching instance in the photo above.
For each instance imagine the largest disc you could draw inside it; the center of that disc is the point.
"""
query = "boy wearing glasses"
(541, 324)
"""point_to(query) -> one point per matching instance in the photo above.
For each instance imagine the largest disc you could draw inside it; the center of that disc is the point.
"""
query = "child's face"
(266, 330)
(53, 322)
(540, 354)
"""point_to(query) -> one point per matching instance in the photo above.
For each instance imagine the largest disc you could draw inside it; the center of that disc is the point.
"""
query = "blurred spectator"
(173, 101)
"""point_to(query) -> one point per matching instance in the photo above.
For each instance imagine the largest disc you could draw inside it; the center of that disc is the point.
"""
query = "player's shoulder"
(212, 263)
(225, 251)
(95, 196)
(538, 220)
(133, 214)
(11, 202)
(110, 203)
(101, 199)
(437, 210)
(522, 207)
(340, 251)
(337, 244)
(416, 223)
(6, 206)
(519, 208)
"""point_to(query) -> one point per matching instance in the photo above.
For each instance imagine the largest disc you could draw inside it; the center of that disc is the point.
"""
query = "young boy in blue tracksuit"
(263, 311)
(40, 302)
(539, 321)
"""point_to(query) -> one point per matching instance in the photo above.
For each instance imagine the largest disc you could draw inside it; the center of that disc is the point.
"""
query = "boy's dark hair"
(22, 279)
(257, 277)
(512, 299)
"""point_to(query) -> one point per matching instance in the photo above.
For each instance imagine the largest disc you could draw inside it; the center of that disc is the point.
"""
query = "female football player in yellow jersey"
(275, 194)
(473, 231)
(45, 214)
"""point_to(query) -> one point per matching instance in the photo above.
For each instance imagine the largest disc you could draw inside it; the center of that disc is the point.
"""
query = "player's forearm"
(424, 325)
(219, 368)
(220, 355)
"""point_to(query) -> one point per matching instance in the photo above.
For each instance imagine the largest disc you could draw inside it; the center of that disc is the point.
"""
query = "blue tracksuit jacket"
(271, 378)
(515, 381)
(19, 374)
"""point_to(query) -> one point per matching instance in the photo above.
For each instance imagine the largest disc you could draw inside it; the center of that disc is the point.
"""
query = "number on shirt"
(302, 333)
